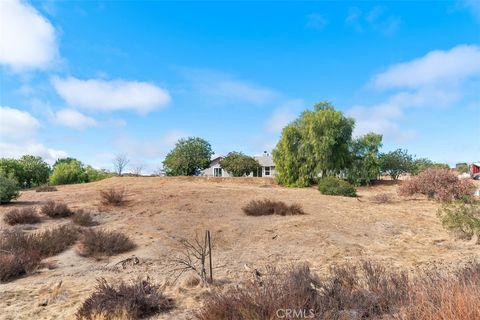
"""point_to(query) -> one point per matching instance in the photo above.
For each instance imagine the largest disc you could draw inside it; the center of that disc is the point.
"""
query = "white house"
(266, 162)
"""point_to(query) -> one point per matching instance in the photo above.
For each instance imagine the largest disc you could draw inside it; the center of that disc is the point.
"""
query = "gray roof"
(265, 160)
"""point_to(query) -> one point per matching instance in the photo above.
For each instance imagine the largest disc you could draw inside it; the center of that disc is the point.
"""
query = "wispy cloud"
(74, 119)
(377, 19)
(28, 39)
(113, 95)
(284, 114)
(438, 79)
(473, 6)
(225, 88)
(316, 21)
(18, 131)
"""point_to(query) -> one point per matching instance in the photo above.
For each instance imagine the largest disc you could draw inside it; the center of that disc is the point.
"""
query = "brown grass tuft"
(113, 197)
(137, 300)
(83, 218)
(21, 216)
(56, 210)
(382, 198)
(46, 189)
(15, 265)
(98, 243)
(269, 207)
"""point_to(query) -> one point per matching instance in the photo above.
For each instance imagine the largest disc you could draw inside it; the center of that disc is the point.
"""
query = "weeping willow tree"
(316, 144)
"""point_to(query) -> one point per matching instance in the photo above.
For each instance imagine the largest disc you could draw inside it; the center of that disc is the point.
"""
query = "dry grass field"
(404, 233)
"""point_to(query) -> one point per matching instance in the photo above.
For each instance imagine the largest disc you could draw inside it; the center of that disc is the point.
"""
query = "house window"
(267, 171)
(217, 172)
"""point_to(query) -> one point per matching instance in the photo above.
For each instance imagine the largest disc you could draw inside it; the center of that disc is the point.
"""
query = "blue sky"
(94, 79)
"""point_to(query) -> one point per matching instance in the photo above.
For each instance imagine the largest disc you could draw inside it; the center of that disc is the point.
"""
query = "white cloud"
(438, 79)
(16, 125)
(74, 119)
(103, 95)
(224, 86)
(316, 21)
(283, 115)
(18, 130)
(473, 6)
(434, 68)
(27, 39)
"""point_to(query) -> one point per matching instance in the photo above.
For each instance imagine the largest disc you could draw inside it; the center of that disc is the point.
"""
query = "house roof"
(265, 160)
(476, 164)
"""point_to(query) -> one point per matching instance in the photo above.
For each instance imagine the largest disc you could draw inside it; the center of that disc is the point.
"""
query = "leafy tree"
(463, 168)
(419, 165)
(63, 160)
(13, 168)
(316, 144)
(36, 171)
(365, 165)
(396, 163)
(238, 164)
(188, 157)
(8, 188)
(97, 174)
(68, 172)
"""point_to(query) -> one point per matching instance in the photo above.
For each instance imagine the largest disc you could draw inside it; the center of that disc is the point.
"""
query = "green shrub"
(96, 175)
(461, 218)
(68, 172)
(8, 189)
(336, 187)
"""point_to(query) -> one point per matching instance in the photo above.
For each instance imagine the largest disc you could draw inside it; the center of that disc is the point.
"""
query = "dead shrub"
(15, 265)
(113, 197)
(21, 216)
(47, 243)
(46, 189)
(382, 198)
(98, 243)
(56, 210)
(83, 218)
(269, 207)
(135, 300)
(438, 184)
(364, 291)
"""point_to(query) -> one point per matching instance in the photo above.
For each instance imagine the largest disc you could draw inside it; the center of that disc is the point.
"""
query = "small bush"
(15, 265)
(21, 216)
(112, 196)
(83, 218)
(46, 189)
(56, 210)
(462, 218)
(9, 189)
(336, 187)
(269, 207)
(47, 243)
(136, 300)
(97, 243)
(438, 184)
(382, 198)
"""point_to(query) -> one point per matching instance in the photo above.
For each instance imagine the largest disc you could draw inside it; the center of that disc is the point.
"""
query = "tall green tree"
(316, 144)
(35, 169)
(239, 164)
(188, 157)
(396, 163)
(13, 168)
(365, 165)
(67, 172)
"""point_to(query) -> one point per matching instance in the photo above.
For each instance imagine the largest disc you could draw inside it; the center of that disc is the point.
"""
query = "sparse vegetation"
(128, 301)
(8, 189)
(438, 184)
(269, 207)
(462, 218)
(113, 197)
(382, 198)
(46, 188)
(56, 210)
(366, 291)
(333, 186)
(21, 216)
(15, 265)
(83, 218)
(98, 243)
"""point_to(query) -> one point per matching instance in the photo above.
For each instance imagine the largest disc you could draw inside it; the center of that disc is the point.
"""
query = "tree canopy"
(365, 166)
(396, 163)
(188, 157)
(315, 144)
(239, 164)
(36, 171)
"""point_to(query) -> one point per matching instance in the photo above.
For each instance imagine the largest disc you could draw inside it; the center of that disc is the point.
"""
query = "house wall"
(209, 172)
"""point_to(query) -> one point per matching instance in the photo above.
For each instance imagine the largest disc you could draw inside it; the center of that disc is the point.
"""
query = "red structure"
(475, 170)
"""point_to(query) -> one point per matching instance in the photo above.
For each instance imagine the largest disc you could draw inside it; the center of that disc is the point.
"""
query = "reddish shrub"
(56, 209)
(438, 184)
(15, 265)
(83, 218)
(382, 198)
(269, 207)
(97, 243)
(112, 196)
